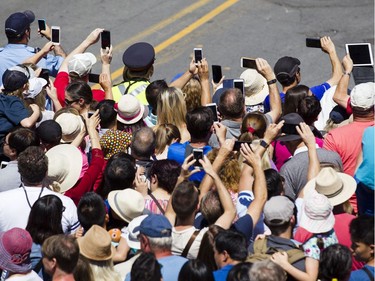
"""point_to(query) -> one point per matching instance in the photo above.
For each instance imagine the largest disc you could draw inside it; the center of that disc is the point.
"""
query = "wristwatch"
(264, 144)
(273, 81)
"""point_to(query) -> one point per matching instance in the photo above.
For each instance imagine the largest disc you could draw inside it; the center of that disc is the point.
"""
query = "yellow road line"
(185, 31)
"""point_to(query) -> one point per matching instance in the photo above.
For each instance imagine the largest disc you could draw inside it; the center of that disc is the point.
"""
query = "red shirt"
(62, 80)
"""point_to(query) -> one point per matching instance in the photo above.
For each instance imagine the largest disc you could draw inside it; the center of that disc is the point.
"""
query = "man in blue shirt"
(288, 73)
(17, 30)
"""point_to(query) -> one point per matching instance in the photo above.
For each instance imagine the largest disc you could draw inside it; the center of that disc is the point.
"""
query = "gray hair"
(267, 271)
(163, 243)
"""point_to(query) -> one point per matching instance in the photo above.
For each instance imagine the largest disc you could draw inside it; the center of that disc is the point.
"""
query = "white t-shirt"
(15, 209)
(182, 237)
(31, 276)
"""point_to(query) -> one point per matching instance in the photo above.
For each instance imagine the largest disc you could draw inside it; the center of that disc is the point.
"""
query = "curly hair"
(192, 92)
(230, 172)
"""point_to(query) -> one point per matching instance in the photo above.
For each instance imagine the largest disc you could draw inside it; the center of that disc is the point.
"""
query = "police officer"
(17, 30)
(138, 60)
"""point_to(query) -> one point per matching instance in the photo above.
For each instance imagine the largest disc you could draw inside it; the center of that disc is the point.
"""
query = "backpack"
(262, 252)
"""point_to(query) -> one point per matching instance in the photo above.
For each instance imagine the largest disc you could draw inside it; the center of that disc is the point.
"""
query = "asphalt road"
(226, 30)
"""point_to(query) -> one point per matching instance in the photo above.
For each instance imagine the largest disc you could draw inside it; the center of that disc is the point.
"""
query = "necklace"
(27, 197)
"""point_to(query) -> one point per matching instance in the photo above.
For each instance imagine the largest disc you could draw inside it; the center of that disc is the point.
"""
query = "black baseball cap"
(13, 80)
(49, 131)
(285, 68)
(17, 23)
(139, 56)
(289, 131)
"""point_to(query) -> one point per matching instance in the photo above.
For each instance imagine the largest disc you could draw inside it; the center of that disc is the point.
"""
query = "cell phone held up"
(248, 63)
(106, 39)
(213, 108)
(197, 154)
(42, 24)
(239, 84)
(198, 55)
(237, 145)
(216, 73)
(55, 38)
(313, 43)
(94, 78)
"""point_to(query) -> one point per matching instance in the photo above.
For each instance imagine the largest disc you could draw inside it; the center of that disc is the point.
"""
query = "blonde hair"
(192, 92)
(230, 172)
(129, 75)
(171, 108)
(165, 133)
(266, 161)
(104, 271)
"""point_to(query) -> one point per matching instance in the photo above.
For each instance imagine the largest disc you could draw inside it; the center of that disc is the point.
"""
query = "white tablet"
(360, 53)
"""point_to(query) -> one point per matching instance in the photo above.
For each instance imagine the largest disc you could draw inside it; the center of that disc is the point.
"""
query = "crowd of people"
(137, 181)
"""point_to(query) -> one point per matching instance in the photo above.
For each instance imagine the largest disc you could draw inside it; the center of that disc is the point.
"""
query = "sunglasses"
(70, 102)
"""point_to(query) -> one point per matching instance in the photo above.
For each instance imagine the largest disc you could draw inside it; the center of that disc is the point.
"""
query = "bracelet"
(273, 81)
(347, 73)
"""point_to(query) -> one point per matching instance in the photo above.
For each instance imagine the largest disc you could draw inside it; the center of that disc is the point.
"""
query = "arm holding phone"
(341, 96)
(105, 77)
(47, 33)
(39, 55)
(266, 71)
(51, 92)
(329, 48)
(182, 81)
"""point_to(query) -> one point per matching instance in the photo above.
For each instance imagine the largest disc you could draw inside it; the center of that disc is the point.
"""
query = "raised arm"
(58, 50)
(226, 219)
(105, 77)
(266, 71)
(33, 118)
(203, 73)
(90, 40)
(329, 48)
(182, 81)
(341, 96)
(39, 55)
(259, 187)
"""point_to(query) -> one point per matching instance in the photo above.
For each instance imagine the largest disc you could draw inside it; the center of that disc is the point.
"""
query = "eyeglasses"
(70, 102)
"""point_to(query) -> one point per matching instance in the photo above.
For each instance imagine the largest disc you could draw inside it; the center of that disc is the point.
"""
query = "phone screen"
(239, 85)
(42, 24)
(237, 145)
(248, 63)
(106, 39)
(313, 43)
(198, 154)
(56, 35)
(198, 55)
(94, 78)
(45, 75)
(360, 54)
(216, 73)
(213, 108)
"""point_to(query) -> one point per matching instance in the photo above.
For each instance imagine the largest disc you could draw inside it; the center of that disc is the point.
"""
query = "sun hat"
(278, 210)
(289, 131)
(15, 249)
(256, 88)
(81, 64)
(156, 226)
(139, 56)
(64, 165)
(35, 87)
(71, 125)
(131, 235)
(114, 141)
(337, 187)
(96, 244)
(127, 204)
(285, 68)
(317, 216)
(129, 110)
(363, 95)
(17, 23)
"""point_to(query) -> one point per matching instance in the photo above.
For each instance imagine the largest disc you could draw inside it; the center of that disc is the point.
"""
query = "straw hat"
(127, 204)
(256, 88)
(129, 110)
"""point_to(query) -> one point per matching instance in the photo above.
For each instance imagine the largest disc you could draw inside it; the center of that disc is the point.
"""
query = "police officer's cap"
(139, 56)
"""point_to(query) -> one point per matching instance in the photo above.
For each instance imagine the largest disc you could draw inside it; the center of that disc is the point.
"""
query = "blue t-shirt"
(222, 273)
(361, 275)
(177, 152)
(365, 172)
(318, 92)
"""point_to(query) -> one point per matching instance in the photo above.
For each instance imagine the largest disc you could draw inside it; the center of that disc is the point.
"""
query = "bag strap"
(157, 203)
(38, 266)
(295, 255)
(260, 246)
(368, 272)
(188, 245)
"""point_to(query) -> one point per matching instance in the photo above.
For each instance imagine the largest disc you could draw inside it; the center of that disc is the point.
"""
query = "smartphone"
(213, 108)
(55, 35)
(198, 55)
(237, 145)
(106, 39)
(197, 154)
(228, 83)
(42, 24)
(360, 53)
(94, 78)
(248, 63)
(239, 84)
(313, 43)
(216, 73)
(90, 113)
(44, 74)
